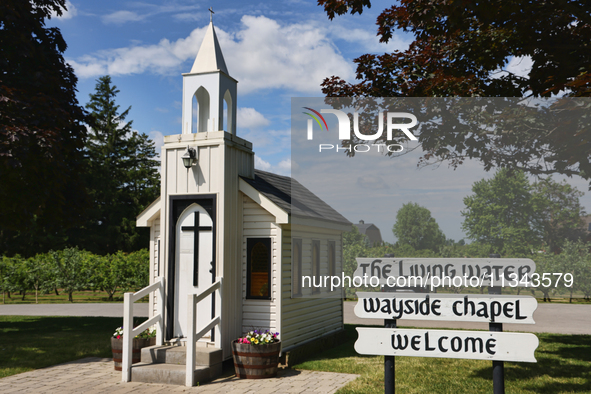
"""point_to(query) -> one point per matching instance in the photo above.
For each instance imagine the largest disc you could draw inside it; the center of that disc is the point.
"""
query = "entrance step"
(172, 373)
(178, 355)
(166, 364)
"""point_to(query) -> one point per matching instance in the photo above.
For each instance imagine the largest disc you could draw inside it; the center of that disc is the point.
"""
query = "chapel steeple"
(209, 92)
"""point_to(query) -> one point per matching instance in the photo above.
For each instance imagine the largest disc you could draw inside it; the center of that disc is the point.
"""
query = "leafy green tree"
(16, 276)
(560, 211)
(354, 245)
(501, 213)
(415, 227)
(576, 260)
(547, 263)
(123, 176)
(463, 49)
(71, 270)
(139, 265)
(38, 273)
(41, 131)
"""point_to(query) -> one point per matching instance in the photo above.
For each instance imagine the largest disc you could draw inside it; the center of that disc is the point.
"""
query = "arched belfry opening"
(228, 116)
(209, 92)
(200, 110)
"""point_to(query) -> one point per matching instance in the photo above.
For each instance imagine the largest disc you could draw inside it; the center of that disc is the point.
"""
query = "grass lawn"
(32, 342)
(78, 297)
(564, 366)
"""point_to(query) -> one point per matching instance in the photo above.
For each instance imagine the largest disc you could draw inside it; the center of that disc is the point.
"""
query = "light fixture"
(189, 157)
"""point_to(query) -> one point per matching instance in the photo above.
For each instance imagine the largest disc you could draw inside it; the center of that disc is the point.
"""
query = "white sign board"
(447, 307)
(476, 345)
(407, 272)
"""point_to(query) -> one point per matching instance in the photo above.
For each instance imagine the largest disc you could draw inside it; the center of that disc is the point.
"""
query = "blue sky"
(276, 50)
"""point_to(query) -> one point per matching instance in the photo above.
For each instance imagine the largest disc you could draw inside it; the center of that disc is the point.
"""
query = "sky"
(277, 50)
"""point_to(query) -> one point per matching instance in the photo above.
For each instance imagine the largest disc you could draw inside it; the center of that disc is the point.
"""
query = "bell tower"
(209, 92)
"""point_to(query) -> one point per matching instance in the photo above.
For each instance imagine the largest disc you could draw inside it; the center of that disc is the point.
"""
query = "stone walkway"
(96, 375)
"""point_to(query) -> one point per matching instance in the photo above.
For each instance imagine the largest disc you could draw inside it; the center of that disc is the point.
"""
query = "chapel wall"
(305, 318)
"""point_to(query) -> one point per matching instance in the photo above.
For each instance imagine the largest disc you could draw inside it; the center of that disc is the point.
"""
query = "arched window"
(228, 121)
(258, 268)
(200, 110)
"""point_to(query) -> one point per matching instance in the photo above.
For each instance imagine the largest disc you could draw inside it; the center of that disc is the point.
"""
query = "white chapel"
(219, 217)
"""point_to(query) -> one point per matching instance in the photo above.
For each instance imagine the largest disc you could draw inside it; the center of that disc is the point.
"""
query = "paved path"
(72, 309)
(552, 318)
(96, 375)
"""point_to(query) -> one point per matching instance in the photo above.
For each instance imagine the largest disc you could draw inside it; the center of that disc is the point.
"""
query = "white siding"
(308, 318)
(222, 159)
(258, 223)
(155, 262)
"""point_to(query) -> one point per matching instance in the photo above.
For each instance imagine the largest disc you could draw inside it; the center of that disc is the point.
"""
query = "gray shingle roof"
(289, 195)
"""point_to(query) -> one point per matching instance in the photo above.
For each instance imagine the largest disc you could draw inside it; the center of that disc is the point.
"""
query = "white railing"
(129, 332)
(215, 323)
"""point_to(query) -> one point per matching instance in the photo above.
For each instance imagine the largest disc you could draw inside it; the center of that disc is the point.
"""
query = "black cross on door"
(196, 230)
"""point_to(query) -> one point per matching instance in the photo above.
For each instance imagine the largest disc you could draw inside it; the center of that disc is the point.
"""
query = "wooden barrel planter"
(138, 344)
(256, 361)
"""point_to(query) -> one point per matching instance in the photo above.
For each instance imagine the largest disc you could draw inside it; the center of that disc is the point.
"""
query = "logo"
(345, 129)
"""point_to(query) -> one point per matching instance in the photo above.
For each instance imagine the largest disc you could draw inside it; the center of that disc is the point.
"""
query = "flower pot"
(256, 361)
(138, 344)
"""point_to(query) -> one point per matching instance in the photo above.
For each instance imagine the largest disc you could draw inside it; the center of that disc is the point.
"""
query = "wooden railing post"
(218, 314)
(160, 312)
(191, 340)
(127, 336)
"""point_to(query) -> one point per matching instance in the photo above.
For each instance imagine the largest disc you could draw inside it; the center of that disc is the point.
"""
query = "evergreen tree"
(123, 176)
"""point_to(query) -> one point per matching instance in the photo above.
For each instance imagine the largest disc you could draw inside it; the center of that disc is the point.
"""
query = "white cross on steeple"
(211, 14)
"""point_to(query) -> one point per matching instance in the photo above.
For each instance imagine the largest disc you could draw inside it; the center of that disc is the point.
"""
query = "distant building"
(371, 231)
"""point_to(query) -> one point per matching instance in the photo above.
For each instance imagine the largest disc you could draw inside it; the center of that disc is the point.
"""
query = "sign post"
(493, 308)
(389, 365)
(498, 366)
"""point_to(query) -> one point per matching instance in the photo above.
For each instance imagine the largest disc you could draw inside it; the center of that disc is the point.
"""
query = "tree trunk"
(56, 292)
(24, 294)
(70, 297)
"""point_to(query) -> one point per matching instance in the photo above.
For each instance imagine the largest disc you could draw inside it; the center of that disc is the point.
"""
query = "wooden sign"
(439, 272)
(476, 345)
(447, 307)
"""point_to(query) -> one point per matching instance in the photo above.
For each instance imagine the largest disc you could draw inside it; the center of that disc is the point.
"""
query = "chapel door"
(194, 258)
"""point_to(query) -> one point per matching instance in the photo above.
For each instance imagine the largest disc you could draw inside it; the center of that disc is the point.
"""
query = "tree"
(415, 227)
(501, 212)
(41, 130)
(71, 270)
(463, 49)
(575, 259)
(561, 212)
(122, 177)
(354, 245)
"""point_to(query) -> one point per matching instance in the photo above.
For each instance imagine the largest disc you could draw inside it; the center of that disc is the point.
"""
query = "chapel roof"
(210, 57)
(289, 195)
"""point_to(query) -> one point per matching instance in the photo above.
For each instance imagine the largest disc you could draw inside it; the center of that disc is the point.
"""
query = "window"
(258, 268)
(296, 268)
(316, 265)
(332, 261)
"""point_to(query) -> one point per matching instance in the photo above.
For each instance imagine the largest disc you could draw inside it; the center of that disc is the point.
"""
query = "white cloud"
(158, 139)
(262, 55)
(261, 164)
(249, 118)
(368, 40)
(520, 66)
(69, 14)
(281, 168)
(122, 16)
